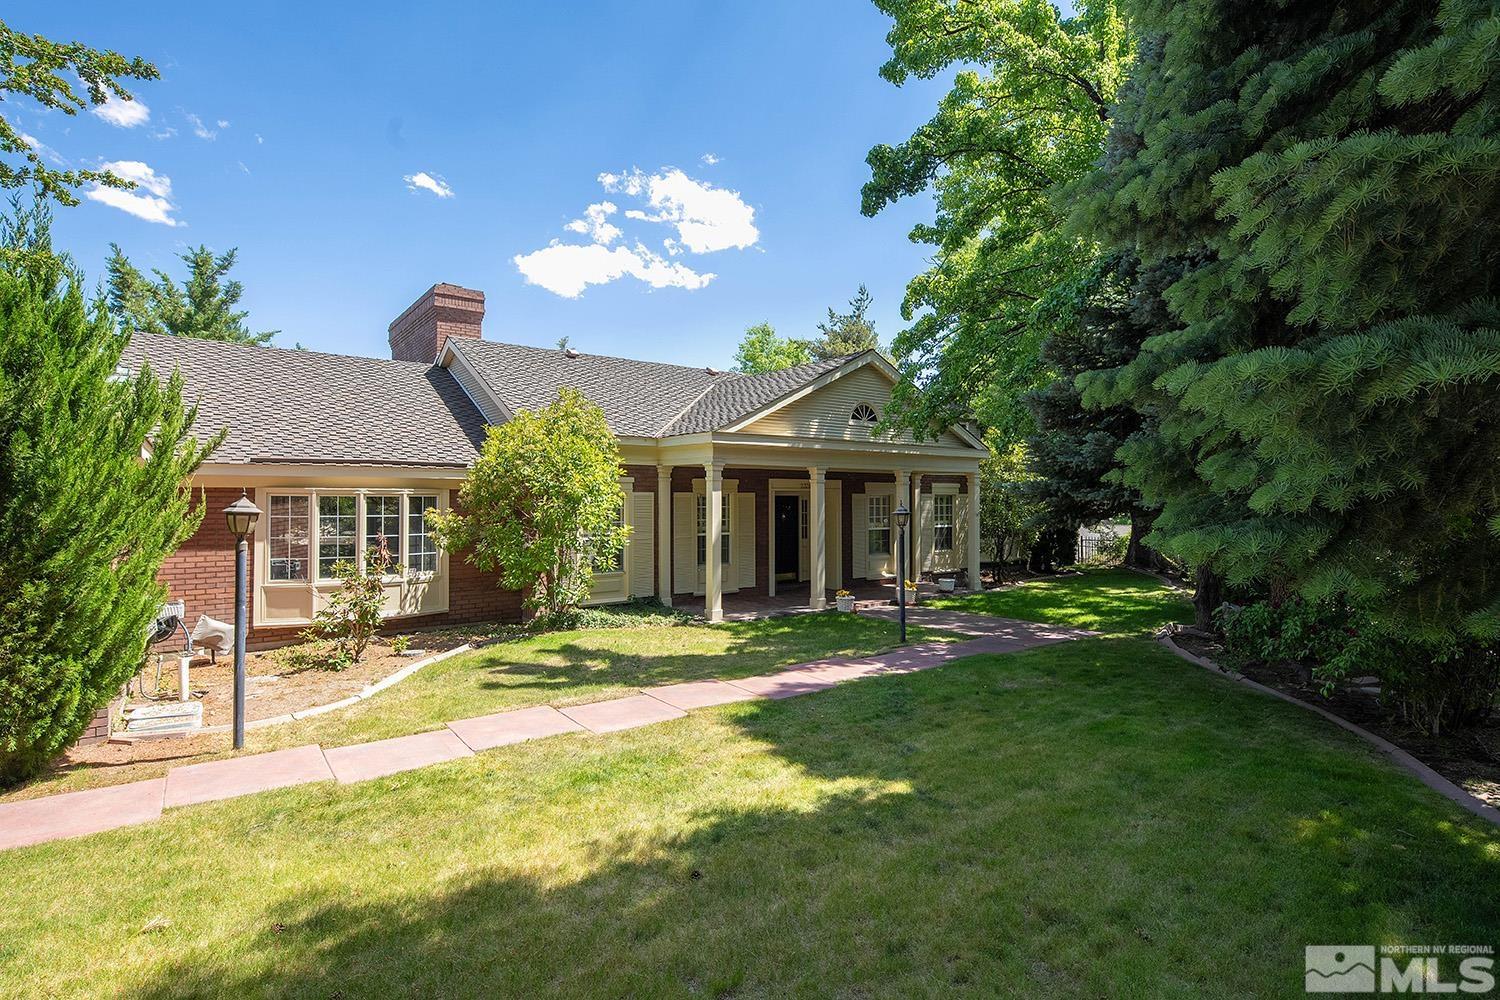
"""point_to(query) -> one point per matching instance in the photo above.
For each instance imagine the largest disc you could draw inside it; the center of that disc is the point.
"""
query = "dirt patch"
(282, 681)
(1469, 758)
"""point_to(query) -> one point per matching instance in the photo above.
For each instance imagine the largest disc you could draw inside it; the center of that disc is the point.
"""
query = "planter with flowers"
(911, 592)
(845, 600)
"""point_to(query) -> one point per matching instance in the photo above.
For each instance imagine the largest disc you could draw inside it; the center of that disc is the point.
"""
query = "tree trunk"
(1138, 553)
(1207, 597)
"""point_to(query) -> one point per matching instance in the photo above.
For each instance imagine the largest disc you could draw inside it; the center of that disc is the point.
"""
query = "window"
(383, 526)
(421, 547)
(879, 527)
(336, 533)
(805, 517)
(942, 522)
(613, 562)
(286, 536)
(864, 413)
(703, 528)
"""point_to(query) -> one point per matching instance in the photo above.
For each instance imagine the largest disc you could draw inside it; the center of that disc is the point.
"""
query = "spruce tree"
(1324, 390)
(93, 497)
(203, 306)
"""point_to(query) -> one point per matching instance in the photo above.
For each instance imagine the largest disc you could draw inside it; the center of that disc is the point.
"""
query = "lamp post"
(903, 518)
(241, 517)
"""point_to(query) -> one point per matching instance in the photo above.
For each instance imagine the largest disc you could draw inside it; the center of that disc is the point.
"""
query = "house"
(784, 475)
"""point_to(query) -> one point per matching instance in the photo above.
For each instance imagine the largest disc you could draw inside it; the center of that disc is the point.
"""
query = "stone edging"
(1421, 771)
(307, 713)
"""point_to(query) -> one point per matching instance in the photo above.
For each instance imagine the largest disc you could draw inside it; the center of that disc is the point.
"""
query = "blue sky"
(289, 131)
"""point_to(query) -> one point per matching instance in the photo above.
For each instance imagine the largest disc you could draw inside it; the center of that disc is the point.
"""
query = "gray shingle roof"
(304, 406)
(639, 398)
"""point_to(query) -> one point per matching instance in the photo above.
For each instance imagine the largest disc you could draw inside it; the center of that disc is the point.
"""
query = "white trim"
(450, 351)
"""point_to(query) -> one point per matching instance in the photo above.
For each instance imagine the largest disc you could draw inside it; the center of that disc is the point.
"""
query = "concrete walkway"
(76, 814)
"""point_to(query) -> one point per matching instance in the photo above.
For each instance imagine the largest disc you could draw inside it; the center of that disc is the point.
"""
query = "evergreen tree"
(763, 350)
(203, 306)
(1324, 393)
(1074, 449)
(846, 333)
(1028, 111)
(93, 498)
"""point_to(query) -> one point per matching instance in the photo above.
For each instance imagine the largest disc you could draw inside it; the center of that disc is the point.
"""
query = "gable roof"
(304, 406)
(639, 398)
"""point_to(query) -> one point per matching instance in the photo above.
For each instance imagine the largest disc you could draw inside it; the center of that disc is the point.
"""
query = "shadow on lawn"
(754, 647)
(1015, 824)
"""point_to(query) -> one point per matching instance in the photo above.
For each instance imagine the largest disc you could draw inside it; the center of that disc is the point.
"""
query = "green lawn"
(558, 668)
(1087, 819)
(1113, 602)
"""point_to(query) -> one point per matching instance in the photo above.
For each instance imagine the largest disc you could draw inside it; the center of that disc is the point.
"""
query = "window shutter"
(861, 515)
(926, 533)
(744, 539)
(642, 545)
(684, 544)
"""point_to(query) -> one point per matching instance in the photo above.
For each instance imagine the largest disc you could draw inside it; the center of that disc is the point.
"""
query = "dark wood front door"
(788, 538)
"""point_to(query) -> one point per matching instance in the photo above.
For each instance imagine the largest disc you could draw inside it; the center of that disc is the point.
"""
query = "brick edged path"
(74, 814)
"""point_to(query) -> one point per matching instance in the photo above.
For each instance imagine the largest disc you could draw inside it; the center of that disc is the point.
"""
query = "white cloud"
(709, 159)
(707, 218)
(201, 130)
(151, 199)
(122, 113)
(428, 182)
(596, 223)
(222, 123)
(258, 139)
(165, 132)
(567, 270)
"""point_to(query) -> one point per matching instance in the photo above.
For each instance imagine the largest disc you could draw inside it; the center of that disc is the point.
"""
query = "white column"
(713, 567)
(903, 496)
(664, 534)
(817, 515)
(975, 582)
(914, 539)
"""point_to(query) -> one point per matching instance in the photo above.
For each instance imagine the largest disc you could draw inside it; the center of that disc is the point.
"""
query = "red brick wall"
(201, 572)
(98, 727)
(442, 311)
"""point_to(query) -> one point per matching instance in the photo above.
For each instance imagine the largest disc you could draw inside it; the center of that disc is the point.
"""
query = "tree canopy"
(846, 333)
(763, 350)
(49, 73)
(1029, 111)
(202, 306)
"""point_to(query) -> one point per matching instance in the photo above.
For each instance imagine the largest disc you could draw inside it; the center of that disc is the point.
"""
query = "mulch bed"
(1469, 758)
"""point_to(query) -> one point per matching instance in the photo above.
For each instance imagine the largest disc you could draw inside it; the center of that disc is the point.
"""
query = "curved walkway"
(74, 814)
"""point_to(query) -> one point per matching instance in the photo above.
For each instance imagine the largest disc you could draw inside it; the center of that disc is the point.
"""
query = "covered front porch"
(788, 537)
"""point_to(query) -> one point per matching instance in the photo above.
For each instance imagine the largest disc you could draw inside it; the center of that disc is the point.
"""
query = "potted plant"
(911, 592)
(845, 600)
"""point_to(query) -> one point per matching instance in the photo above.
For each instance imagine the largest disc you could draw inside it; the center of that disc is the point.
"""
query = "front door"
(788, 538)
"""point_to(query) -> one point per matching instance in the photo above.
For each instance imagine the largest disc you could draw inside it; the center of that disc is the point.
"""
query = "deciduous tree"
(763, 350)
(542, 504)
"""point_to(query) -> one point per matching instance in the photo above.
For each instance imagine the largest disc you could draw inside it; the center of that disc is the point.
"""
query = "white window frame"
(883, 524)
(308, 559)
(726, 528)
(407, 549)
(938, 501)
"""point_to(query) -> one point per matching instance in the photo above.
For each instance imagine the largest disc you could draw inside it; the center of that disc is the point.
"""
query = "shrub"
(355, 611)
(1433, 685)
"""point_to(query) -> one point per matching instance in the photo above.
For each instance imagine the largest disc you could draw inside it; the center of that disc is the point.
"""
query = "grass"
(557, 668)
(1112, 602)
(1087, 819)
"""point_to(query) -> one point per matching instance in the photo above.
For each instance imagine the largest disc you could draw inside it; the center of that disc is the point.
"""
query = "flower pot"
(911, 596)
(846, 604)
(946, 584)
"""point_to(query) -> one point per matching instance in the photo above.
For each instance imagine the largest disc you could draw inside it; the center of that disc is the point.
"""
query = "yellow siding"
(825, 412)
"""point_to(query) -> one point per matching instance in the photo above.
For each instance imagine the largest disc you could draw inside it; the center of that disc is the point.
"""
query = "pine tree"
(203, 306)
(93, 497)
(1324, 392)
(846, 333)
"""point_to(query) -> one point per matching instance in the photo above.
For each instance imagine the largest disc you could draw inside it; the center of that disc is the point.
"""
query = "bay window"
(336, 533)
(383, 527)
(287, 537)
(421, 547)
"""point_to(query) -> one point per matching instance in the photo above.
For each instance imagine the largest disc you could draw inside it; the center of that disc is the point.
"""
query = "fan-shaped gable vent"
(864, 413)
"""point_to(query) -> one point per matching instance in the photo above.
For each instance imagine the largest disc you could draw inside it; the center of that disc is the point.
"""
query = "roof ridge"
(578, 355)
(662, 430)
(173, 338)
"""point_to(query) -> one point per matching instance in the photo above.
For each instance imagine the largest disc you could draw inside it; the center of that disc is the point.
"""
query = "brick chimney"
(441, 312)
